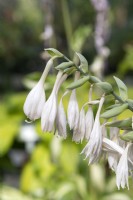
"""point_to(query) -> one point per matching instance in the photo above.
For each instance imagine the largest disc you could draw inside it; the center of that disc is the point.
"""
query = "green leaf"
(54, 52)
(64, 65)
(125, 124)
(106, 87)
(122, 88)
(78, 83)
(127, 137)
(83, 62)
(114, 111)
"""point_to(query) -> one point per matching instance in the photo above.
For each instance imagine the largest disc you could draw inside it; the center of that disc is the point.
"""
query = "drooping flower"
(89, 118)
(94, 147)
(110, 146)
(79, 131)
(36, 98)
(61, 121)
(50, 107)
(122, 171)
(113, 158)
(89, 122)
(73, 109)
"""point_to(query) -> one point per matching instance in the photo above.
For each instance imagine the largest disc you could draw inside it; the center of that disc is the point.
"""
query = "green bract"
(83, 62)
(64, 65)
(114, 111)
(125, 124)
(94, 79)
(128, 137)
(78, 83)
(106, 87)
(122, 88)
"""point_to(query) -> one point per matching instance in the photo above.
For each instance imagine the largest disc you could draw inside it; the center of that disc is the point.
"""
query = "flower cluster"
(84, 125)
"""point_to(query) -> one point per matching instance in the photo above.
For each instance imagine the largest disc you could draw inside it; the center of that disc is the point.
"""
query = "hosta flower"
(89, 118)
(79, 131)
(122, 170)
(112, 147)
(61, 121)
(36, 98)
(94, 147)
(50, 107)
(89, 121)
(73, 111)
(113, 158)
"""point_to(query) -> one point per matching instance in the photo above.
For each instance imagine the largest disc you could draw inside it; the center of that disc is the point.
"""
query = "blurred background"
(40, 166)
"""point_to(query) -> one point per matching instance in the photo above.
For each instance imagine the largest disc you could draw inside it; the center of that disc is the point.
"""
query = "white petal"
(111, 146)
(93, 148)
(73, 111)
(34, 102)
(61, 121)
(89, 121)
(113, 160)
(122, 170)
(79, 132)
(49, 113)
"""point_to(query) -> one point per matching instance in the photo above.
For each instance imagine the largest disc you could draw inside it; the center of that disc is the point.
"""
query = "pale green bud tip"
(54, 52)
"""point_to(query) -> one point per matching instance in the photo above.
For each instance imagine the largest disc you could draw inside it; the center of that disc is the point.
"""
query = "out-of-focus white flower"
(94, 147)
(122, 170)
(36, 98)
(61, 121)
(50, 107)
(79, 131)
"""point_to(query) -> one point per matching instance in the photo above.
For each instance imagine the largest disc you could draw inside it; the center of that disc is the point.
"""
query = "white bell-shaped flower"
(79, 131)
(122, 171)
(89, 118)
(50, 107)
(61, 121)
(89, 122)
(94, 147)
(73, 111)
(36, 98)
